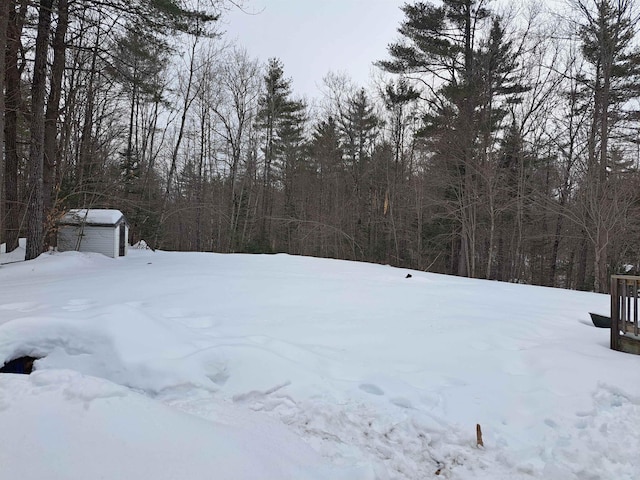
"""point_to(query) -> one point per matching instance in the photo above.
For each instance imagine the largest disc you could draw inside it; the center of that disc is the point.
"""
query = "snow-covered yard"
(204, 366)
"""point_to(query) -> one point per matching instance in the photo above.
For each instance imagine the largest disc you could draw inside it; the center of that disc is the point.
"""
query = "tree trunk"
(600, 262)
(36, 150)
(553, 263)
(85, 161)
(492, 236)
(52, 114)
(12, 104)
(4, 22)
(466, 261)
(581, 274)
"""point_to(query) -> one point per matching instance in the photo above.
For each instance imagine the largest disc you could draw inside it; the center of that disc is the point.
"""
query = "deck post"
(615, 324)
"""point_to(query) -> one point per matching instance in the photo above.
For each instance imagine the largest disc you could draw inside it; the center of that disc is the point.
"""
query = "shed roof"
(92, 216)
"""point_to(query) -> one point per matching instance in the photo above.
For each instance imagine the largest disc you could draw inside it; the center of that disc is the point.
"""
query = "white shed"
(94, 230)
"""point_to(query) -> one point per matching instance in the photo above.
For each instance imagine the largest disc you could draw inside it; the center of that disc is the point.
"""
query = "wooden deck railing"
(625, 331)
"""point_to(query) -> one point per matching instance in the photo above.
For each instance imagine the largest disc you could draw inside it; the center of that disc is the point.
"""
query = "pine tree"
(358, 131)
(439, 42)
(138, 61)
(359, 127)
(607, 31)
(35, 223)
(328, 186)
(281, 119)
(4, 23)
(12, 122)
(398, 96)
(462, 49)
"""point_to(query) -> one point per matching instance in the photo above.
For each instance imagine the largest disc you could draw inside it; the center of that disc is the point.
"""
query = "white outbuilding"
(94, 230)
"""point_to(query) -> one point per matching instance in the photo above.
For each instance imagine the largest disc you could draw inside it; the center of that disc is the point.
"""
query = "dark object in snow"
(479, 442)
(23, 365)
(408, 275)
(600, 321)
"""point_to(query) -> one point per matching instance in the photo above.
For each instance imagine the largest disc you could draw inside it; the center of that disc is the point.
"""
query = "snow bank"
(16, 255)
(63, 425)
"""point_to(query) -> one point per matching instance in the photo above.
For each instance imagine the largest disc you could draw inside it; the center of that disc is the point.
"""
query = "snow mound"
(16, 255)
(63, 425)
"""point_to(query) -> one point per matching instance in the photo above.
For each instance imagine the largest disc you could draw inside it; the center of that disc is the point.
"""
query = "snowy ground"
(198, 366)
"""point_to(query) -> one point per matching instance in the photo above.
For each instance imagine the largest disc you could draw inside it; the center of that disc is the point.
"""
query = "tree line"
(495, 143)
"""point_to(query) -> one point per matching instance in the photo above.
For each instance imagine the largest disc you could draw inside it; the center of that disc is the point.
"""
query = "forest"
(498, 141)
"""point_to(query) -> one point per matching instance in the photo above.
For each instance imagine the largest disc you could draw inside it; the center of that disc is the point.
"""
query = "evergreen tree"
(450, 45)
(281, 120)
(325, 148)
(327, 187)
(359, 128)
(497, 87)
(607, 31)
(14, 66)
(358, 131)
(35, 225)
(439, 41)
(398, 96)
(4, 24)
(138, 61)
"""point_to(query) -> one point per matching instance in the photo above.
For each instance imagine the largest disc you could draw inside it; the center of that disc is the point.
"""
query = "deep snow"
(194, 365)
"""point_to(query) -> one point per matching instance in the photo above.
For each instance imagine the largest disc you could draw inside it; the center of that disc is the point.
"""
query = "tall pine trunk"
(13, 94)
(4, 22)
(36, 149)
(52, 115)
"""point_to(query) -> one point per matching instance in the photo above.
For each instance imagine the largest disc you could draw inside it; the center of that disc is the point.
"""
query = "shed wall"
(94, 239)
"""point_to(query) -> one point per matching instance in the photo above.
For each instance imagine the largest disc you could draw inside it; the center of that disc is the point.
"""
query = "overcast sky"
(313, 37)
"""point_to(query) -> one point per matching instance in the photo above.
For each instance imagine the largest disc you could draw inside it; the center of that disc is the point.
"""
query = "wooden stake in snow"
(479, 442)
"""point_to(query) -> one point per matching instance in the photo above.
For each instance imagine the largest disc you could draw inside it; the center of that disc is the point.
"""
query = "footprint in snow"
(78, 304)
(196, 322)
(174, 313)
(20, 306)
(372, 389)
(401, 402)
(134, 304)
